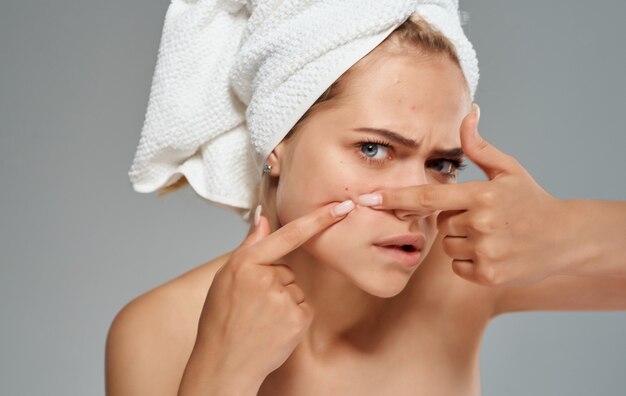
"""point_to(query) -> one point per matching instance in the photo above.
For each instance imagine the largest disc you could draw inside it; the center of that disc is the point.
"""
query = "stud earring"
(267, 168)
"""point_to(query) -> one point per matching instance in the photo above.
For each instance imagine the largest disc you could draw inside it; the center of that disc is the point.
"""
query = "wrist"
(207, 374)
(581, 246)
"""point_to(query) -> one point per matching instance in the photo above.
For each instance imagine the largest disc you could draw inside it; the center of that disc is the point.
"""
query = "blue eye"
(374, 150)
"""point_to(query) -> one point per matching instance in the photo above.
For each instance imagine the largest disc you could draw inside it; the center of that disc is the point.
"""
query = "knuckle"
(488, 274)
(484, 252)
(487, 197)
(427, 198)
(265, 279)
(240, 256)
(292, 238)
(482, 224)
(298, 319)
(483, 146)
(321, 220)
(239, 274)
(496, 253)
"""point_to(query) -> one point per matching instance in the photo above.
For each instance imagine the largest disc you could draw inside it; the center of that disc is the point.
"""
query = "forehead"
(410, 93)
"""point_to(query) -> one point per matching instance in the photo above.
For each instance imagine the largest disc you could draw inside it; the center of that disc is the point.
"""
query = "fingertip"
(257, 232)
(476, 110)
(343, 208)
(469, 133)
(468, 123)
(466, 138)
(263, 227)
(257, 214)
(373, 199)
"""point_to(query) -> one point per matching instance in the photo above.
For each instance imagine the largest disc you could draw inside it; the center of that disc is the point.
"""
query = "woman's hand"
(504, 231)
(254, 313)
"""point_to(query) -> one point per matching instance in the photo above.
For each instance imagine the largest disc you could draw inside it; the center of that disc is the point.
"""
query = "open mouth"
(406, 242)
(406, 248)
(408, 255)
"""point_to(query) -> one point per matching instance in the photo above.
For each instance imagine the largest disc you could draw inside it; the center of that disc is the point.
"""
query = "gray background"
(77, 243)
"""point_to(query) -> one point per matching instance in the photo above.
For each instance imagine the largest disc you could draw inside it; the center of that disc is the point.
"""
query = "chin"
(384, 281)
(383, 289)
(375, 276)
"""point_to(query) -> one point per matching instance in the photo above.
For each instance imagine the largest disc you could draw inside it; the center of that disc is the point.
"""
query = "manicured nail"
(477, 110)
(343, 208)
(257, 215)
(370, 199)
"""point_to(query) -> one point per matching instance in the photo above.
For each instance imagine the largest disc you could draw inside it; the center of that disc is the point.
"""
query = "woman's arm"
(509, 231)
(203, 377)
(597, 234)
(595, 280)
(565, 293)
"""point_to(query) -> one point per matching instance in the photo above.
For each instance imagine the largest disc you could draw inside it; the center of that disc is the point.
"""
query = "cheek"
(345, 246)
(313, 181)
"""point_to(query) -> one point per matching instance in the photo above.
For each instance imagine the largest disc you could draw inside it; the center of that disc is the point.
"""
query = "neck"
(342, 310)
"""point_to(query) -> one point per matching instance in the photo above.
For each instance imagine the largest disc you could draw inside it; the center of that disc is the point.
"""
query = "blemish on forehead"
(413, 107)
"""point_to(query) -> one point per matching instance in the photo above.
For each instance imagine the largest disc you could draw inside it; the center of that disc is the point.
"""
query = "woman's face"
(421, 99)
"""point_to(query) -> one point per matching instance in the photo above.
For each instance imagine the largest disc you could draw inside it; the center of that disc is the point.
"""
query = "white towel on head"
(232, 77)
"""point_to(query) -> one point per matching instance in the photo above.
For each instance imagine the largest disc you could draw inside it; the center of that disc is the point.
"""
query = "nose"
(415, 175)
(413, 215)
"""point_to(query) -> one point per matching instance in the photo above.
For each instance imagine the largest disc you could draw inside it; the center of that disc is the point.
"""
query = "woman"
(336, 291)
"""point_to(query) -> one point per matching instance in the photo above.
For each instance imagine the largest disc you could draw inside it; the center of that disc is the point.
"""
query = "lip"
(415, 240)
(407, 259)
(392, 247)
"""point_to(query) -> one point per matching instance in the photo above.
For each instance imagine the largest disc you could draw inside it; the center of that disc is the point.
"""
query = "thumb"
(491, 160)
(258, 232)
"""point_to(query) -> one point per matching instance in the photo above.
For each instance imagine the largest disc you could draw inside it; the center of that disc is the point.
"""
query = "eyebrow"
(456, 152)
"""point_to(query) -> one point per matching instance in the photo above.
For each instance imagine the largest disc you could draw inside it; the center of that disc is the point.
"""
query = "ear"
(276, 157)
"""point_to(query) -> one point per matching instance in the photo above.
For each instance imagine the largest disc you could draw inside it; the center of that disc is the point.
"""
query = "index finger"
(295, 233)
(425, 198)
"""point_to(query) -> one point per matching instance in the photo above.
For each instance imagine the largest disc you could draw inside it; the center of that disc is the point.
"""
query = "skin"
(324, 163)
(510, 231)
(378, 328)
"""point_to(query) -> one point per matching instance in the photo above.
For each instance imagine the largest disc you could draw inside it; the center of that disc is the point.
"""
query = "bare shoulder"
(150, 339)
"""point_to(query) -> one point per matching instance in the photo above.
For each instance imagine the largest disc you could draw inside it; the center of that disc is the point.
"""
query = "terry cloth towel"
(232, 77)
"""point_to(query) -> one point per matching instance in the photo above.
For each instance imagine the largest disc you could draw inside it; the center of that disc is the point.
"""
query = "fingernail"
(370, 199)
(343, 208)
(257, 215)
(477, 110)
